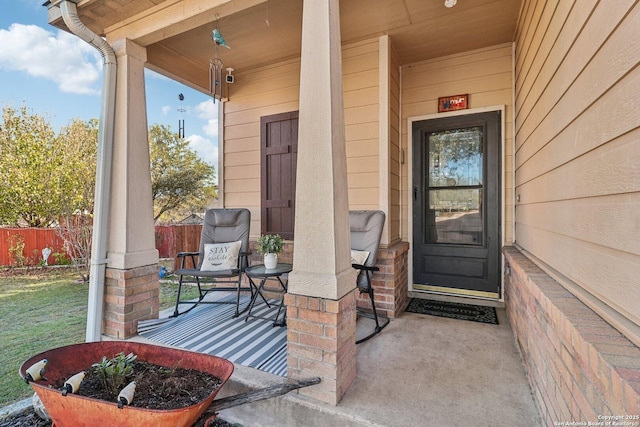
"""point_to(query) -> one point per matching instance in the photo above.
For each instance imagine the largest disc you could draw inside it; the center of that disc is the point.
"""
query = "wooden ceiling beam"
(174, 17)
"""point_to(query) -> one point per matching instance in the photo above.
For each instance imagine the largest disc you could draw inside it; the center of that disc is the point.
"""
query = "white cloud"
(64, 59)
(208, 111)
(206, 149)
(166, 109)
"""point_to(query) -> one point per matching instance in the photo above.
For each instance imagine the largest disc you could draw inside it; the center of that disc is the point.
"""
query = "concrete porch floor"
(419, 371)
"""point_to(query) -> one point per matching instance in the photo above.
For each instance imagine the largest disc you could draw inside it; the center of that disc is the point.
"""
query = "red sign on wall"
(452, 103)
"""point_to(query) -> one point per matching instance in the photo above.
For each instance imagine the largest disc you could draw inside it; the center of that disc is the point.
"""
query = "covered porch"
(421, 370)
(352, 79)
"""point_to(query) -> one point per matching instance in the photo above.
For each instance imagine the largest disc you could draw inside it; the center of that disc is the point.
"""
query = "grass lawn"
(40, 310)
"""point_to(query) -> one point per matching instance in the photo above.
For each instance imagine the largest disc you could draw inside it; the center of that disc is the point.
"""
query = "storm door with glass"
(456, 204)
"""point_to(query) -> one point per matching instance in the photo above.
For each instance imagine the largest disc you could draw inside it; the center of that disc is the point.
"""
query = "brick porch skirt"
(390, 284)
(580, 368)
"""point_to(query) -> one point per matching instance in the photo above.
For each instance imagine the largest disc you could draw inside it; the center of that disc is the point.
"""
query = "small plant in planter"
(114, 373)
(270, 245)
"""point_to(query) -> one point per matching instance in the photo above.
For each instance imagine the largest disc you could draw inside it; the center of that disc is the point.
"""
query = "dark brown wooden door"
(279, 152)
(456, 204)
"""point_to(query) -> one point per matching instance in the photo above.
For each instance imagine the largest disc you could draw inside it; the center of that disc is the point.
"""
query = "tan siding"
(361, 148)
(242, 131)
(578, 149)
(362, 180)
(288, 98)
(558, 20)
(241, 172)
(363, 165)
(361, 116)
(473, 86)
(240, 185)
(610, 169)
(242, 159)
(361, 48)
(275, 89)
(354, 98)
(359, 132)
(539, 18)
(617, 273)
(240, 145)
(564, 95)
(462, 66)
(486, 75)
(599, 221)
(362, 80)
(356, 64)
(365, 198)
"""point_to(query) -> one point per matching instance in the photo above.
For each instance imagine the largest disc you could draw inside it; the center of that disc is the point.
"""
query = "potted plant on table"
(270, 245)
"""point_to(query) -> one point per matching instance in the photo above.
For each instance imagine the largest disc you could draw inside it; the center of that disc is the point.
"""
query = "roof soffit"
(177, 33)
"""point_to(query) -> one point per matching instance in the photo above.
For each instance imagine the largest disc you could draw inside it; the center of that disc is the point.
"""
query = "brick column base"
(130, 296)
(580, 368)
(321, 342)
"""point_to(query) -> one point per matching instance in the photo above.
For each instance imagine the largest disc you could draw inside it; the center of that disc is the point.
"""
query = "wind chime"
(216, 65)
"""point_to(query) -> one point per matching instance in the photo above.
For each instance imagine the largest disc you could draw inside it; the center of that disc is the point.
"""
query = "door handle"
(415, 193)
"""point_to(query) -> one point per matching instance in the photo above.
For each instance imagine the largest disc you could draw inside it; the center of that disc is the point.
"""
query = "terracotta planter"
(74, 410)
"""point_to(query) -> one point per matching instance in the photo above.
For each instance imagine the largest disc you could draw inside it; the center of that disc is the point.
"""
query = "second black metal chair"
(366, 232)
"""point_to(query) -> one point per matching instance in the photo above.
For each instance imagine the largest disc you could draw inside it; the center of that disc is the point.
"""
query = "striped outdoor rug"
(211, 329)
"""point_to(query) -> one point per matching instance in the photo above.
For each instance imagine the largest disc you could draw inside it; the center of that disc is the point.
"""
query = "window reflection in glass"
(455, 187)
(455, 217)
(455, 157)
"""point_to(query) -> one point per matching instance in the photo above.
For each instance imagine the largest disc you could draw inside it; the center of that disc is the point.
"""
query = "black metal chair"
(223, 231)
(366, 232)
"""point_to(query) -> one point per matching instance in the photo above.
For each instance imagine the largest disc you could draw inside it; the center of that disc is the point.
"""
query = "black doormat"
(475, 313)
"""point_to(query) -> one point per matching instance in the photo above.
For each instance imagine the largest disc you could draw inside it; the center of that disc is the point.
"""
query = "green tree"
(76, 219)
(39, 173)
(47, 179)
(181, 182)
(80, 142)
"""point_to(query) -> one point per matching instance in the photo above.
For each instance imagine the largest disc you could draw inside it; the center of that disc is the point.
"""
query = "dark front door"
(456, 204)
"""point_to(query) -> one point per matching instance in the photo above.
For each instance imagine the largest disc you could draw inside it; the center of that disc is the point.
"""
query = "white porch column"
(132, 288)
(320, 300)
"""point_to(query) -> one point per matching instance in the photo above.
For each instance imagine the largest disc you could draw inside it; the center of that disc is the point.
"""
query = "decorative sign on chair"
(452, 103)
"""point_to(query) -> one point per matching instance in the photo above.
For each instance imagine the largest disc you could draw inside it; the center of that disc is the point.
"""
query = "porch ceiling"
(177, 33)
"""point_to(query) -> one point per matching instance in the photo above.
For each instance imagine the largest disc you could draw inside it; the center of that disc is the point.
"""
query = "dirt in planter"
(157, 387)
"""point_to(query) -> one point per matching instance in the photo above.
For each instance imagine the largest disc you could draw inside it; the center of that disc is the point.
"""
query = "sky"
(59, 77)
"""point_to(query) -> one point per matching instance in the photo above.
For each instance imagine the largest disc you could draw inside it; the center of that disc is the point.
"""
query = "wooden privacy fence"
(34, 240)
(170, 239)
